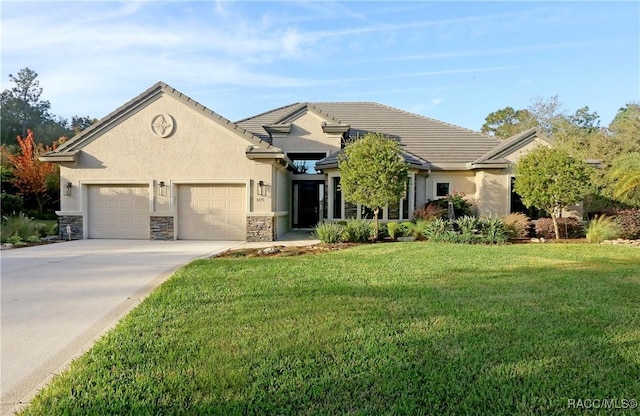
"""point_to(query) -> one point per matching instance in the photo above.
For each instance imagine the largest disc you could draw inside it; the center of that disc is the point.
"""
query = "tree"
(373, 173)
(79, 123)
(547, 113)
(21, 106)
(508, 122)
(625, 174)
(31, 176)
(552, 180)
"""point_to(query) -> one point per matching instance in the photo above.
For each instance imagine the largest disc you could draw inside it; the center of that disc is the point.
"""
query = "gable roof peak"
(150, 94)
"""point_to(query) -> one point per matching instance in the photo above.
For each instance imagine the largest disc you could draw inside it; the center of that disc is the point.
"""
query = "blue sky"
(453, 61)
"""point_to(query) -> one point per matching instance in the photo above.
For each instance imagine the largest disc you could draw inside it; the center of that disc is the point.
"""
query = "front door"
(307, 203)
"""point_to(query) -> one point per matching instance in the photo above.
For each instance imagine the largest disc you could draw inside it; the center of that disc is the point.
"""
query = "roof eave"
(67, 157)
(277, 128)
(496, 165)
(335, 128)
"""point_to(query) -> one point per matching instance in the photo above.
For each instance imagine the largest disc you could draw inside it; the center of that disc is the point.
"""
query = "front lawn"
(402, 328)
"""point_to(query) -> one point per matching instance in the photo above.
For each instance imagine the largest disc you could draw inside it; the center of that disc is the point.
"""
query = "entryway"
(308, 203)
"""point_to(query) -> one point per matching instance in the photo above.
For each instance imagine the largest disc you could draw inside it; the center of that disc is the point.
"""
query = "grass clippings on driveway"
(406, 328)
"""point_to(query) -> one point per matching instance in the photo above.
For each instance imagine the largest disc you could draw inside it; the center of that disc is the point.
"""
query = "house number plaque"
(163, 125)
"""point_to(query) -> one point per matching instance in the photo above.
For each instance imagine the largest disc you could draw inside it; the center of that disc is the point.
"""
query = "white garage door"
(211, 212)
(118, 211)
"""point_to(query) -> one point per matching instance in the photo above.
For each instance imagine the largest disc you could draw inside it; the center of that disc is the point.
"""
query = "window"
(337, 198)
(518, 206)
(305, 163)
(442, 189)
(398, 211)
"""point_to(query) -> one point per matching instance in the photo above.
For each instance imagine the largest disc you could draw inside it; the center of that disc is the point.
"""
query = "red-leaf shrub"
(629, 222)
(568, 227)
(429, 212)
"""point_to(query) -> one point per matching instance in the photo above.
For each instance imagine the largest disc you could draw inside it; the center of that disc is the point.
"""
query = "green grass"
(403, 328)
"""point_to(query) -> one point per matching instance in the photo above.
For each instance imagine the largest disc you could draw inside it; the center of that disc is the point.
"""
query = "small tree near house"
(373, 173)
(31, 176)
(552, 180)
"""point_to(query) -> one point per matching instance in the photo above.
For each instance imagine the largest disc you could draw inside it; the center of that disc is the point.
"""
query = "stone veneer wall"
(75, 221)
(260, 229)
(161, 228)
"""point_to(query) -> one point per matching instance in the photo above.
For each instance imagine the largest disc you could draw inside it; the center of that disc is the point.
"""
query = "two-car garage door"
(205, 212)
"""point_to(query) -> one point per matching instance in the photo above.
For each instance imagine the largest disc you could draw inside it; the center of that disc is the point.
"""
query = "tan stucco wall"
(199, 149)
(306, 135)
(462, 181)
(514, 156)
(492, 198)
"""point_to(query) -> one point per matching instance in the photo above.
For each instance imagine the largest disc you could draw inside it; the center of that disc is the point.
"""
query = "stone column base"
(260, 229)
(161, 228)
(74, 222)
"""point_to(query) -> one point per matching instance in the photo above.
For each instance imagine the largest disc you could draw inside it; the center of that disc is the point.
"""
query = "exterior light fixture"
(261, 188)
(162, 188)
(67, 189)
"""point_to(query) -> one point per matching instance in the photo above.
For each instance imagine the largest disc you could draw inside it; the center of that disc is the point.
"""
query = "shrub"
(492, 230)
(16, 240)
(329, 232)
(602, 228)
(33, 239)
(42, 230)
(467, 227)
(16, 225)
(437, 229)
(629, 222)
(410, 229)
(10, 202)
(461, 206)
(517, 225)
(394, 229)
(568, 228)
(429, 212)
(358, 231)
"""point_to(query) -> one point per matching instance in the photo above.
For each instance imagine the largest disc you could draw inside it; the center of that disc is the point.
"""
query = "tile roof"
(428, 139)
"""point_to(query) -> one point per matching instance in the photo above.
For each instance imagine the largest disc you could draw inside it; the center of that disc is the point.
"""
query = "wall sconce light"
(162, 188)
(67, 189)
(260, 187)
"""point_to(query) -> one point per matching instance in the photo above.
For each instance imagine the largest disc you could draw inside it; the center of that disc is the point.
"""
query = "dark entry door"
(306, 203)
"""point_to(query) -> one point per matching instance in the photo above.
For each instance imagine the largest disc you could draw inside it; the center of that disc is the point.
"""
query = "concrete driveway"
(57, 299)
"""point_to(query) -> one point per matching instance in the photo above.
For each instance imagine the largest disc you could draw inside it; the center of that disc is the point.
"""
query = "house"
(164, 167)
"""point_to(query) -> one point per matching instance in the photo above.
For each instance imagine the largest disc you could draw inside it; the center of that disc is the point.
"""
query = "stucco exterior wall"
(515, 155)
(492, 198)
(199, 149)
(306, 135)
(461, 181)
(282, 202)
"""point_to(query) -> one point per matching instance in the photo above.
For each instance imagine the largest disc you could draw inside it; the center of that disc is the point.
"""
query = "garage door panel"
(118, 211)
(211, 212)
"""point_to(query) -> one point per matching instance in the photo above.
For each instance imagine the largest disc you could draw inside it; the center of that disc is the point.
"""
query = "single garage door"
(211, 212)
(119, 211)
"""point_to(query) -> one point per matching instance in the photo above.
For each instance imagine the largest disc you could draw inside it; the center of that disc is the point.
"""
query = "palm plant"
(625, 172)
